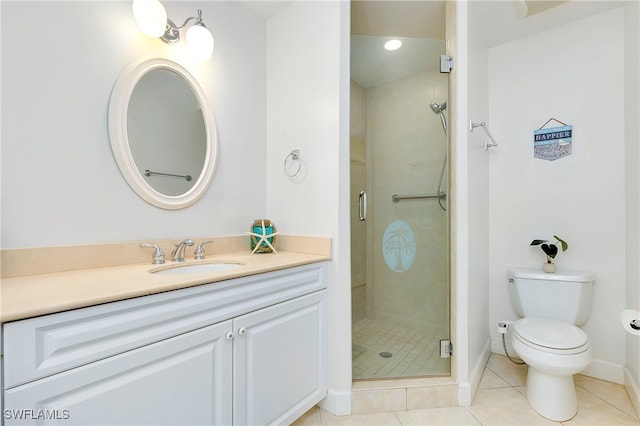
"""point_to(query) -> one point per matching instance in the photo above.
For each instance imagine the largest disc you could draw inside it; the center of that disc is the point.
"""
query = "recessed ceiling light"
(393, 44)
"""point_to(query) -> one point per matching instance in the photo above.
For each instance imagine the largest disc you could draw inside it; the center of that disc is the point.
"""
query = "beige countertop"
(33, 295)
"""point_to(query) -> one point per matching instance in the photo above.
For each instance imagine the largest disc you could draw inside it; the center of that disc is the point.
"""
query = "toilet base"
(553, 397)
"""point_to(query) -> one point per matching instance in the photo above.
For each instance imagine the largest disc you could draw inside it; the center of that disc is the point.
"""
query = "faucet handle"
(199, 251)
(158, 254)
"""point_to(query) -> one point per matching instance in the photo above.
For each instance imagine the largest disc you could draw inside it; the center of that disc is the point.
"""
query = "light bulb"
(199, 42)
(393, 44)
(151, 17)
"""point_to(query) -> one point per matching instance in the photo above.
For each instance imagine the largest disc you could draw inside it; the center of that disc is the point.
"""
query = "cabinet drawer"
(41, 346)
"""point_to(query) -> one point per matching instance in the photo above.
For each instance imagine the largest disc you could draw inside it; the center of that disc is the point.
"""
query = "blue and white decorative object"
(399, 246)
(263, 233)
(553, 142)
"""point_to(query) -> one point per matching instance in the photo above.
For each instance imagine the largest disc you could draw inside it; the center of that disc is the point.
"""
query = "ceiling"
(372, 65)
(398, 18)
(418, 24)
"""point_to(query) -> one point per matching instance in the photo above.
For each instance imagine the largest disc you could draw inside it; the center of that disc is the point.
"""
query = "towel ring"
(291, 161)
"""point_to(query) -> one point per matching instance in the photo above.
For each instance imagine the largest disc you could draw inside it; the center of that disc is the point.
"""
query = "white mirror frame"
(118, 110)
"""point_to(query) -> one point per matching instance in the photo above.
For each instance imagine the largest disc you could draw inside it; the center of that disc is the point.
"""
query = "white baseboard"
(605, 370)
(478, 368)
(467, 390)
(464, 394)
(337, 403)
(633, 389)
(599, 369)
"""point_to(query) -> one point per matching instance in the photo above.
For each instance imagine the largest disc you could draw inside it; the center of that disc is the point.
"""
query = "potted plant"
(551, 250)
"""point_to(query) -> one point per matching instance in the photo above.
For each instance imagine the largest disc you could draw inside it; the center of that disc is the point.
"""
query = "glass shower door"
(400, 253)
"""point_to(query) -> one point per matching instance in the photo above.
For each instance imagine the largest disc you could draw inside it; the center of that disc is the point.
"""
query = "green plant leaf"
(562, 242)
(537, 242)
(550, 250)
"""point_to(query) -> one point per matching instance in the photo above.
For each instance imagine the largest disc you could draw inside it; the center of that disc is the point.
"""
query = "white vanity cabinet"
(245, 351)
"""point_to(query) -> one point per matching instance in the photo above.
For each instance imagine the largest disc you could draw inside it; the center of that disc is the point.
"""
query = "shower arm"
(487, 145)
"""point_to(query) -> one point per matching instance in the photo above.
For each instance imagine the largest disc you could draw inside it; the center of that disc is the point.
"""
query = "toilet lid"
(550, 334)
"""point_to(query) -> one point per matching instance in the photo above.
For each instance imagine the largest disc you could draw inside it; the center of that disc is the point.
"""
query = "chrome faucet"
(178, 254)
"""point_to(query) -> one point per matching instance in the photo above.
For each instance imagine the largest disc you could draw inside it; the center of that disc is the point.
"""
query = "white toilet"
(546, 337)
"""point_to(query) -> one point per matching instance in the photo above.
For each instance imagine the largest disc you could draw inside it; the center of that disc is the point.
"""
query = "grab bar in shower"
(395, 197)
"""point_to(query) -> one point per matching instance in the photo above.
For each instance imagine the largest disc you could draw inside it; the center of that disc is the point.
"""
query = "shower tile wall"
(407, 145)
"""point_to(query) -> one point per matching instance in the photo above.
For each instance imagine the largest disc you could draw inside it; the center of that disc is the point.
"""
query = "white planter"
(549, 267)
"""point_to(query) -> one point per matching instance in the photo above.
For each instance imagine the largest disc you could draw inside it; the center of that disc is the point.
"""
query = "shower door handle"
(362, 206)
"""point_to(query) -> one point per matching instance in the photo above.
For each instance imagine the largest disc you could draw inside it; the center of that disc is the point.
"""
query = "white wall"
(574, 73)
(478, 193)
(470, 211)
(60, 183)
(478, 190)
(308, 109)
(632, 165)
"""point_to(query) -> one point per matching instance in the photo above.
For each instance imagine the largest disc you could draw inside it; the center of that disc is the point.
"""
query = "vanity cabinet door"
(184, 380)
(280, 360)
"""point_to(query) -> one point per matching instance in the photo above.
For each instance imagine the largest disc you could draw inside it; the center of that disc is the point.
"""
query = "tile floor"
(413, 353)
(500, 400)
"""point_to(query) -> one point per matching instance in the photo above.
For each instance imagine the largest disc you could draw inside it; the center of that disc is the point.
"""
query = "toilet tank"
(561, 296)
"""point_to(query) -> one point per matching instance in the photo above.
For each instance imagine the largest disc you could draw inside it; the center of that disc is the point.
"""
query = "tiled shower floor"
(413, 353)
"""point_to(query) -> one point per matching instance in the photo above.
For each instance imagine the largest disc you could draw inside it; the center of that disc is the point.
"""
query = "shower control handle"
(362, 206)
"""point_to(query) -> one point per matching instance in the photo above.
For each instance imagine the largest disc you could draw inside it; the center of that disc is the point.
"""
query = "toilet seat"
(551, 336)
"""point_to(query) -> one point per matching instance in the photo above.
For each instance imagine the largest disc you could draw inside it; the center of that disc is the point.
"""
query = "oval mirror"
(162, 133)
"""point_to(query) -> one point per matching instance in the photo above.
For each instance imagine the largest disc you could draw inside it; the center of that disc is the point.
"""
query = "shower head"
(438, 108)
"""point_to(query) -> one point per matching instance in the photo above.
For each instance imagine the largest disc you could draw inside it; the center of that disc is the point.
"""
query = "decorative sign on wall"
(399, 246)
(551, 143)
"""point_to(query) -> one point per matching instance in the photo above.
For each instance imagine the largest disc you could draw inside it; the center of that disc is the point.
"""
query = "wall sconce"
(151, 17)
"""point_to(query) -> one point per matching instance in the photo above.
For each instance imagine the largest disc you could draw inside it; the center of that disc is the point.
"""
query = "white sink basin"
(197, 268)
